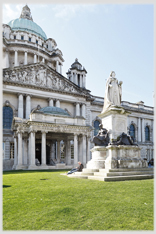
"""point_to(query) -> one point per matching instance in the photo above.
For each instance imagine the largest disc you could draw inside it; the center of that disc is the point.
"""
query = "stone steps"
(122, 173)
(121, 178)
(117, 174)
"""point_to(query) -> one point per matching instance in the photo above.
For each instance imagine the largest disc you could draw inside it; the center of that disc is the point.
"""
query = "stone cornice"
(30, 126)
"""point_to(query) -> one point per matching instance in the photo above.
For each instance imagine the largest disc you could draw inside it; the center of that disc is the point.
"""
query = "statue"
(113, 92)
(102, 138)
(124, 139)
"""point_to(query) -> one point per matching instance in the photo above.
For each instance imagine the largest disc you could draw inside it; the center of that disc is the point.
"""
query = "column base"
(20, 167)
(32, 167)
(60, 165)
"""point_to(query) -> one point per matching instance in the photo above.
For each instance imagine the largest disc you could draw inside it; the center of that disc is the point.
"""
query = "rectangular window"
(42, 44)
(11, 150)
(36, 41)
(14, 37)
(72, 151)
(22, 37)
(47, 46)
(29, 38)
(3, 149)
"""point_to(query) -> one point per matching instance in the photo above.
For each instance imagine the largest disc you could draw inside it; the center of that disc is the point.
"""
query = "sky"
(104, 38)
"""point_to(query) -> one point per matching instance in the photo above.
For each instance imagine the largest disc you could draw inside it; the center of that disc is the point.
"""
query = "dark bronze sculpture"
(124, 139)
(102, 138)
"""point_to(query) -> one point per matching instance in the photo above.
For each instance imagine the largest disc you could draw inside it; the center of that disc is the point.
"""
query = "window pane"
(96, 127)
(132, 131)
(7, 117)
(147, 134)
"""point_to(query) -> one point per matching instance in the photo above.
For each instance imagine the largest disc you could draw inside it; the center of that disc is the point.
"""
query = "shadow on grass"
(33, 171)
(6, 186)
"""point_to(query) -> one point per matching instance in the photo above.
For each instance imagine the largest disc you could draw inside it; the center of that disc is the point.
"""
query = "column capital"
(44, 131)
(18, 94)
(30, 95)
(50, 99)
(20, 131)
(32, 131)
(76, 103)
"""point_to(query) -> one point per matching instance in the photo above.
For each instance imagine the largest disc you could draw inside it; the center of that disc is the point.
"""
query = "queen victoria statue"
(113, 92)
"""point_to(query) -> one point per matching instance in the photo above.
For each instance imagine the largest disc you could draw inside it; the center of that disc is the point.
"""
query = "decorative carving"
(40, 77)
(124, 139)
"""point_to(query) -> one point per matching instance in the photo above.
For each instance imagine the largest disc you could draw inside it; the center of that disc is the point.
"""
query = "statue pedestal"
(114, 120)
(113, 156)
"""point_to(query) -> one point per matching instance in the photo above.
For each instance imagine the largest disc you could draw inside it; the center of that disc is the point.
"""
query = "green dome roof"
(53, 110)
(28, 26)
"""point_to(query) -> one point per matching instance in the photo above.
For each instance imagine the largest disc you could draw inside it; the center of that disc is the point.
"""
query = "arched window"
(7, 117)
(147, 134)
(132, 131)
(96, 127)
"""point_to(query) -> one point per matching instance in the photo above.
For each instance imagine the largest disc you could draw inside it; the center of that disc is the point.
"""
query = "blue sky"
(104, 37)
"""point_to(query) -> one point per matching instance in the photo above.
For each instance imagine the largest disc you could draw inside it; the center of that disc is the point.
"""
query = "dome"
(53, 110)
(27, 25)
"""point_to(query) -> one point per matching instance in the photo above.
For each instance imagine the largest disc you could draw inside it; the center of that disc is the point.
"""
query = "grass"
(46, 200)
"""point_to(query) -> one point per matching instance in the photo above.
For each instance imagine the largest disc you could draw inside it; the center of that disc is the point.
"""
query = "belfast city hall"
(49, 120)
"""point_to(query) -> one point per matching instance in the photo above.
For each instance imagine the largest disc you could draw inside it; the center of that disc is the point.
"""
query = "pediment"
(41, 76)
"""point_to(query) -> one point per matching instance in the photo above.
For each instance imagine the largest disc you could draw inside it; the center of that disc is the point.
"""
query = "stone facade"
(33, 80)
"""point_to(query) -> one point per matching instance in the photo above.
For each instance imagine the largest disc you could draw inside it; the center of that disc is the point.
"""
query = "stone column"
(75, 149)
(57, 66)
(20, 105)
(51, 151)
(139, 130)
(16, 58)
(61, 69)
(32, 152)
(25, 58)
(15, 152)
(81, 80)
(58, 103)
(88, 148)
(84, 158)
(28, 106)
(35, 58)
(76, 81)
(84, 110)
(68, 153)
(84, 81)
(43, 60)
(72, 77)
(7, 58)
(19, 157)
(51, 102)
(43, 149)
(77, 109)
(25, 151)
(143, 131)
(58, 151)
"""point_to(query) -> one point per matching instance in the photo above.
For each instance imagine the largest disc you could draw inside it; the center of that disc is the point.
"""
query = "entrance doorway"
(38, 153)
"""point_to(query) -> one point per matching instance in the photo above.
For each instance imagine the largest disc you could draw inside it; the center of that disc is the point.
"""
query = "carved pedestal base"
(99, 155)
(112, 156)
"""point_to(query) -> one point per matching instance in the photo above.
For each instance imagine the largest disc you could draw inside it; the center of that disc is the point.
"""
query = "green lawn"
(46, 200)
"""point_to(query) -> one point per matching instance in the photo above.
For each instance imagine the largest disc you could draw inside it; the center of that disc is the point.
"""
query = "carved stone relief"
(39, 76)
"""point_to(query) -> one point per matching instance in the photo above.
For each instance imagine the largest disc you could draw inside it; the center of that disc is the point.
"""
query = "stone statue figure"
(102, 138)
(113, 92)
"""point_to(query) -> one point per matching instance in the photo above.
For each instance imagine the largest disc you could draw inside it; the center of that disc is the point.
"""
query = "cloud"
(67, 11)
(10, 13)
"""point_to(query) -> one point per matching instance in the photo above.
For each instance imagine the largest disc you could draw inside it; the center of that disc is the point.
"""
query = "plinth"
(115, 120)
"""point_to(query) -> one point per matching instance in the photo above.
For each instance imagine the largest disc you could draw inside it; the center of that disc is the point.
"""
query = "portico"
(49, 143)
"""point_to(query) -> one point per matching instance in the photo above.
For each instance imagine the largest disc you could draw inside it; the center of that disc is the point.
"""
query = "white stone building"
(49, 120)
